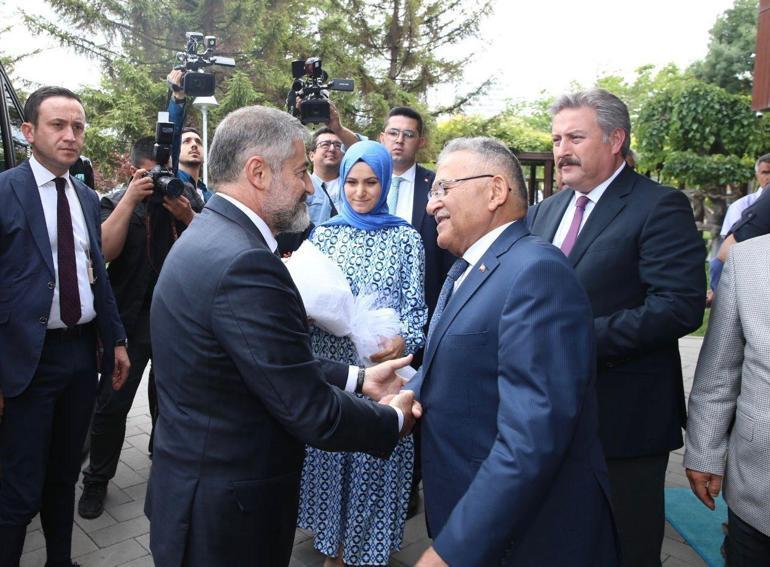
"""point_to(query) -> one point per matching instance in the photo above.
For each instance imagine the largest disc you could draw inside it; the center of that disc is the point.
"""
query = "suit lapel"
(81, 191)
(230, 211)
(550, 217)
(25, 187)
(479, 274)
(611, 203)
(420, 197)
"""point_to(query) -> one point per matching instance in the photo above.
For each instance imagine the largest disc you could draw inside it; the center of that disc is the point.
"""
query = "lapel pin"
(482, 268)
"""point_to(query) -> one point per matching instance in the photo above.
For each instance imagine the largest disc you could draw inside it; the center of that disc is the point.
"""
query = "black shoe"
(61, 564)
(91, 503)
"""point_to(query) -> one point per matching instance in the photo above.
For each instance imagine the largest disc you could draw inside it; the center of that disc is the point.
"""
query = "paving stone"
(128, 511)
(672, 533)
(34, 540)
(144, 541)
(121, 532)
(681, 551)
(113, 555)
(81, 542)
(137, 492)
(145, 561)
(89, 526)
(126, 476)
(140, 441)
(33, 558)
(135, 458)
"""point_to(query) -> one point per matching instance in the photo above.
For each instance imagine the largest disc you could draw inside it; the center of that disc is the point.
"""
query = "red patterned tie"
(574, 228)
(69, 296)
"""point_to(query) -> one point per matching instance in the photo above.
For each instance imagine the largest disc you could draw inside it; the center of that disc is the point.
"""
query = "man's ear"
(29, 131)
(421, 143)
(257, 172)
(499, 193)
(617, 137)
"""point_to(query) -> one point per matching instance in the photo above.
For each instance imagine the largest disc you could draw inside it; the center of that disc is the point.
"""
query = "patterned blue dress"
(353, 500)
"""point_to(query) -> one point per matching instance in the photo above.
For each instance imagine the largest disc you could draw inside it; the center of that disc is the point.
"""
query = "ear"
(421, 143)
(29, 131)
(257, 172)
(499, 193)
(382, 138)
(617, 137)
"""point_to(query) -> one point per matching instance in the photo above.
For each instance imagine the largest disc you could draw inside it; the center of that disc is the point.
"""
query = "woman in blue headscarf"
(354, 503)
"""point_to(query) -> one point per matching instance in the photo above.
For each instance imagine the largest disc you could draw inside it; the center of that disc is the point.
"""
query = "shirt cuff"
(400, 419)
(350, 385)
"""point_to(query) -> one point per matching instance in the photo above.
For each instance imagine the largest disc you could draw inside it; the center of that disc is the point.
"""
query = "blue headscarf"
(378, 158)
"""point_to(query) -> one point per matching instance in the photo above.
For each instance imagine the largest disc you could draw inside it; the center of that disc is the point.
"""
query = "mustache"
(568, 161)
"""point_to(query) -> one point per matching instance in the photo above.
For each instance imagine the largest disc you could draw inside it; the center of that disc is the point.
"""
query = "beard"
(293, 220)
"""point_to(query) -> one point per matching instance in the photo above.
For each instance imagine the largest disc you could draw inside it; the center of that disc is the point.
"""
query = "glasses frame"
(329, 143)
(396, 133)
(439, 188)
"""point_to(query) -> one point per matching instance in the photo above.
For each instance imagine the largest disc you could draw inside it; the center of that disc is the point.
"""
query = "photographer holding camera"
(140, 223)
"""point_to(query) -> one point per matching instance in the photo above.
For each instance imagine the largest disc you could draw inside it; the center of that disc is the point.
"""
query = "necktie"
(69, 296)
(574, 228)
(457, 269)
(395, 182)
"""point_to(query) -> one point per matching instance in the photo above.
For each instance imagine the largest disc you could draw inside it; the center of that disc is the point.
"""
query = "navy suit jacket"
(28, 278)
(641, 260)
(513, 470)
(240, 396)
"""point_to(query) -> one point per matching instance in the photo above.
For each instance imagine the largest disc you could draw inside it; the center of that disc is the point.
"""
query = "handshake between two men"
(383, 384)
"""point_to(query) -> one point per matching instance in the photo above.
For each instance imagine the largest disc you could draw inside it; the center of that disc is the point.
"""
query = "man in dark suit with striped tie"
(56, 306)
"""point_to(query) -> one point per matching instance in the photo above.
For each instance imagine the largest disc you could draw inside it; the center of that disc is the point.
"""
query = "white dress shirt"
(350, 385)
(735, 210)
(48, 197)
(405, 203)
(474, 253)
(593, 197)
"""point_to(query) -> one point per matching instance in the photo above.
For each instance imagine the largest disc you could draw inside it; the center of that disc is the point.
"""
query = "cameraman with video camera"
(140, 223)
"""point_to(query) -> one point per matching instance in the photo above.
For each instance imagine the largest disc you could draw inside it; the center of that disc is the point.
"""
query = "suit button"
(51, 285)
(43, 320)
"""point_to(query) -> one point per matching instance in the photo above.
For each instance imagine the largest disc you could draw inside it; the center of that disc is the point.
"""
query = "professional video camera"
(166, 184)
(314, 108)
(199, 53)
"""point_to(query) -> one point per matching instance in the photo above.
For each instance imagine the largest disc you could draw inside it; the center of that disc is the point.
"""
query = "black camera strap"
(334, 209)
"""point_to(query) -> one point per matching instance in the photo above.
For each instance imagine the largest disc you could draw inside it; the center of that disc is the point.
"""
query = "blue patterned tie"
(457, 269)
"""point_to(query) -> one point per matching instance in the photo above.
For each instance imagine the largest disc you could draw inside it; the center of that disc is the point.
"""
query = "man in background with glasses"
(326, 151)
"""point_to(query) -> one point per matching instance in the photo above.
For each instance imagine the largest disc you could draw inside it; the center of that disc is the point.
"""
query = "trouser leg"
(636, 487)
(746, 546)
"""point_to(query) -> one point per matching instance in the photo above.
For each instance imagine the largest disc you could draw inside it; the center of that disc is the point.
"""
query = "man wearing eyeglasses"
(326, 151)
(403, 135)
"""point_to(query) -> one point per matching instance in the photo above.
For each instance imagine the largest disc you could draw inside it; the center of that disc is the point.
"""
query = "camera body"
(165, 183)
(199, 53)
(312, 85)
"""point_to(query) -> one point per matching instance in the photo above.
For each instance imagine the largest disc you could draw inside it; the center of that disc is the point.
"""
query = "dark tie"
(333, 212)
(457, 269)
(574, 228)
(69, 296)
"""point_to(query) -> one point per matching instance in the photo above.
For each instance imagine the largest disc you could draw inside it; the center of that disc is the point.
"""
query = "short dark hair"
(409, 113)
(32, 106)
(143, 149)
(190, 129)
(317, 134)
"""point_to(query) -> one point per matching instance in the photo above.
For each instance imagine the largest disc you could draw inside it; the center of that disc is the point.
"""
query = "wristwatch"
(122, 342)
(360, 380)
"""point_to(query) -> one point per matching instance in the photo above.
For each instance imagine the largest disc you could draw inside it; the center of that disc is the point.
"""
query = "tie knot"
(395, 182)
(457, 269)
(61, 184)
(582, 201)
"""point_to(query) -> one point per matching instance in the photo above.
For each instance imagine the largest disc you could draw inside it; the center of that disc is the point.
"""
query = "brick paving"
(120, 536)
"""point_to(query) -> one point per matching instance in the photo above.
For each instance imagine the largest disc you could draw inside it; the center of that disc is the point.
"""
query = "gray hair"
(611, 112)
(249, 131)
(495, 154)
(763, 159)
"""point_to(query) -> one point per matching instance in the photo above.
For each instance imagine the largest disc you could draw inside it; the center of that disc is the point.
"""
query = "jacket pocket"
(744, 426)
(261, 495)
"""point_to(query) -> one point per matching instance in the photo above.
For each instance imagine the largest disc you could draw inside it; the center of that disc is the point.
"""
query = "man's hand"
(431, 559)
(175, 78)
(180, 207)
(382, 379)
(393, 348)
(335, 124)
(705, 486)
(139, 188)
(122, 364)
(410, 407)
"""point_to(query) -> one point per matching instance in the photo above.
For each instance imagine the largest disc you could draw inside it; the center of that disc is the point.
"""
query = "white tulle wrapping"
(331, 305)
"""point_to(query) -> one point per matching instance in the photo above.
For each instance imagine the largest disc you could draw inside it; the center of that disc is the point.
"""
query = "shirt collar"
(480, 247)
(264, 230)
(596, 193)
(318, 180)
(42, 175)
(408, 175)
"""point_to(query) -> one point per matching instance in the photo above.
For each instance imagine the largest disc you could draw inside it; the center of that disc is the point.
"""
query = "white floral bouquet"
(331, 305)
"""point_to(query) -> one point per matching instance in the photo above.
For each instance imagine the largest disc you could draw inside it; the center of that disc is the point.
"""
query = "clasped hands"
(383, 385)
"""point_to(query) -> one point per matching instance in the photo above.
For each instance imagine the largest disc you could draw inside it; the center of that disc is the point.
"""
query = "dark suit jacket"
(512, 466)
(641, 260)
(240, 395)
(27, 279)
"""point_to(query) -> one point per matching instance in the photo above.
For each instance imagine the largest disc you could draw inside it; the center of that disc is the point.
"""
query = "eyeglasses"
(394, 133)
(440, 187)
(326, 144)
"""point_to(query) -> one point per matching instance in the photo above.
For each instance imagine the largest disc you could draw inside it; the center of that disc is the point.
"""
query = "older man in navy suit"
(56, 306)
(512, 466)
(635, 250)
